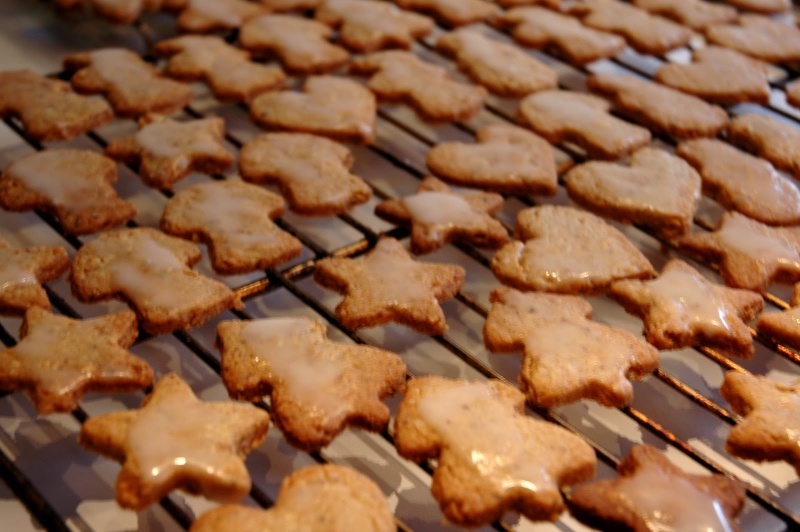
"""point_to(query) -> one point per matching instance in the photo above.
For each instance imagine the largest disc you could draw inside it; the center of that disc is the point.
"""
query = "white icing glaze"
(224, 12)
(738, 234)
(53, 177)
(394, 279)
(239, 218)
(590, 348)
(497, 450)
(12, 274)
(172, 139)
(573, 260)
(439, 208)
(117, 65)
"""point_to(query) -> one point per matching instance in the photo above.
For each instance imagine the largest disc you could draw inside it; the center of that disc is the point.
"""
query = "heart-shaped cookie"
(506, 159)
(330, 106)
(658, 190)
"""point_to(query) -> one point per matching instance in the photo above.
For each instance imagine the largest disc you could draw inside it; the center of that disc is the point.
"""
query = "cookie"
(645, 33)
(760, 37)
(769, 138)
(283, 6)
(696, 14)
(58, 359)
(585, 120)
(317, 388)
(149, 270)
(386, 285)
(313, 173)
(492, 458)
(748, 253)
(771, 418)
(227, 70)
(452, 13)
(335, 107)
(177, 441)
(300, 44)
(22, 273)
(659, 108)
(743, 183)
(72, 185)
(782, 327)
(48, 108)
(166, 151)
(368, 26)
(132, 86)
(321, 498)
(566, 250)
(681, 308)
(552, 4)
(542, 28)
(502, 68)
(653, 494)
(656, 190)
(203, 16)
(116, 11)
(792, 90)
(718, 75)
(401, 76)
(558, 344)
(766, 7)
(506, 159)
(234, 219)
(437, 215)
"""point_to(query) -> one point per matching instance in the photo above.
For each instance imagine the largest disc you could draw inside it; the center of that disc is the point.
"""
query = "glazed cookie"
(437, 215)
(506, 159)
(132, 86)
(167, 151)
(202, 16)
(566, 250)
(557, 343)
(760, 37)
(681, 308)
(452, 12)
(766, 7)
(150, 270)
(283, 6)
(116, 11)
(72, 185)
(492, 458)
(300, 44)
(793, 93)
(542, 28)
(646, 33)
(771, 423)
(769, 138)
(749, 254)
(653, 494)
(696, 14)
(226, 69)
(177, 441)
(566, 116)
(743, 183)
(386, 285)
(401, 76)
(317, 388)
(368, 25)
(312, 172)
(782, 327)
(659, 108)
(22, 273)
(234, 219)
(335, 107)
(47, 108)
(502, 68)
(58, 359)
(719, 75)
(656, 190)
(322, 498)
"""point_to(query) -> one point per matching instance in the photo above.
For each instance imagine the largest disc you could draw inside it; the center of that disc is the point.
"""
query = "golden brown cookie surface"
(697, 14)
(452, 12)
(769, 138)
(759, 37)
(22, 273)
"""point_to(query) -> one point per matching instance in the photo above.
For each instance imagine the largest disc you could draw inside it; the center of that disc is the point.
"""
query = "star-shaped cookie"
(227, 69)
(491, 456)
(681, 308)
(387, 285)
(47, 108)
(749, 254)
(567, 250)
(771, 412)
(22, 272)
(317, 388)
(59, 359)
(437, 215)
(235, 220)
(653, 494)
(177, 441)
(321, 498)
(167, 151)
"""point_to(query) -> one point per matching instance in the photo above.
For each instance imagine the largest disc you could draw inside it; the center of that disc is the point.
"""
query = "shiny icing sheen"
(174, 139)
(438, 208)
(738, 234)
